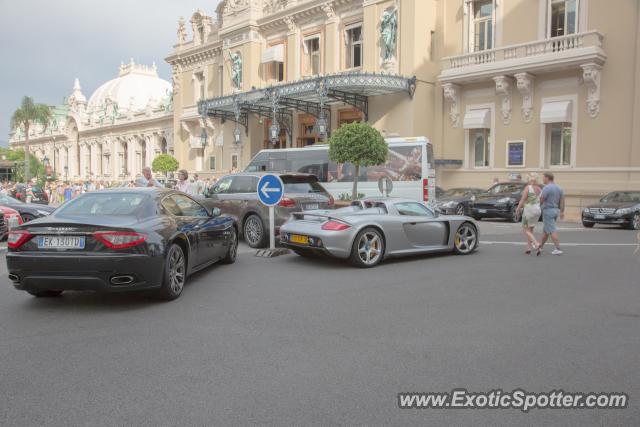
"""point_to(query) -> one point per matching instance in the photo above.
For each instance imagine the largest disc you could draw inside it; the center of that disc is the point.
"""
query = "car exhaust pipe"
(121, 280)
(14, 277)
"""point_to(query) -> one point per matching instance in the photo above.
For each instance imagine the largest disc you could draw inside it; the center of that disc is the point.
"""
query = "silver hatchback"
(235, 195)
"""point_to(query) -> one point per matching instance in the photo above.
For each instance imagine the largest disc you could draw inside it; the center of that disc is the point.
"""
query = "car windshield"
(505, 188)
(622, 197)
(122, 204)
(8, 199)
(455, 192)
(301, 184)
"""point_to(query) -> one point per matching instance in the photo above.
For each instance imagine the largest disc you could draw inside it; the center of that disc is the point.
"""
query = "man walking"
(552, 203)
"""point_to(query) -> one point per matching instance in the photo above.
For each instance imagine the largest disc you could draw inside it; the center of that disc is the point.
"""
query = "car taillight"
(332, 201)
(17, 238)
(119, 239)
(332, 225)
(287, 202)
(425, 190)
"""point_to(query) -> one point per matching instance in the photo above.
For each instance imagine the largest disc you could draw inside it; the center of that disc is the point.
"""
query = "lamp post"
(53, 140)
(15, 171)
(274, 129)
(47, 168)
(321, 123)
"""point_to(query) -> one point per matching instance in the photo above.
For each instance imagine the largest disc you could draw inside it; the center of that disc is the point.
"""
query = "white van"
(409, 165)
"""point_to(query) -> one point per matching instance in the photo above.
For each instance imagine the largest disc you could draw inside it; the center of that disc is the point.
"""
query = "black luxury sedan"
(619, 207)
(120, 240)
(28, 211)
(457, 201)
(499, 201)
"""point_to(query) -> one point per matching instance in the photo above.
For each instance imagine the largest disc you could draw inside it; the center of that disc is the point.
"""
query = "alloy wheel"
(636, 221)
(176, 271)
(460, 210)
(370, 248)
(253, 231)
(466, 239)
(233, 250)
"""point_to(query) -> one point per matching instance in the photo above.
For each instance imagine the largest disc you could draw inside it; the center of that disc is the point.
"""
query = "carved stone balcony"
(547, 55)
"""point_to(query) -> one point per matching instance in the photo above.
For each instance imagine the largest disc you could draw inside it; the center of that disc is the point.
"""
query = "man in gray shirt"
(552, 203)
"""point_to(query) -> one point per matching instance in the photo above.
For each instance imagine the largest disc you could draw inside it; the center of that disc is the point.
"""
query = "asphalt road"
(290, 341)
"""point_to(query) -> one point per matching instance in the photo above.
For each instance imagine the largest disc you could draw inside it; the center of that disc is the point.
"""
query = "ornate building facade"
(125, 123)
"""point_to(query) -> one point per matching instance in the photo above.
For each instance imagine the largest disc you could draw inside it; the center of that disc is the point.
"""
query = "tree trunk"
(354, 194)
(26, 153)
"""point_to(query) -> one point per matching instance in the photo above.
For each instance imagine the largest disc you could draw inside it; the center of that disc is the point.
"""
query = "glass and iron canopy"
(312, 96)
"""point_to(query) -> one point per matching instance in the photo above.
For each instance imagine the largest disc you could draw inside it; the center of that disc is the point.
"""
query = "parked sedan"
(619, 207)
(457, 201)
(378, 229)
(28, 211)
(499, 201)
(120, 240)
(236, 195)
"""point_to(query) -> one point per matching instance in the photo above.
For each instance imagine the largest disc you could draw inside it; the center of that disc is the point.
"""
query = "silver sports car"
(373, 229)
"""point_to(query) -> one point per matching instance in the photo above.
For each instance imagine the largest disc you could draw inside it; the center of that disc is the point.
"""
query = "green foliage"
(27, 114)
(165, 163)
(359, 144)
(346, 197)
(17, 156)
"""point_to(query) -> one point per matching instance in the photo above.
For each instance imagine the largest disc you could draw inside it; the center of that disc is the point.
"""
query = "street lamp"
(274, 132)
(15, 171)
(321, 125)
(203, 138)
(237, 133)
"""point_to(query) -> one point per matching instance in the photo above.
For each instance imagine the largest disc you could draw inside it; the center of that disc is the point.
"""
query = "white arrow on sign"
(266, 190)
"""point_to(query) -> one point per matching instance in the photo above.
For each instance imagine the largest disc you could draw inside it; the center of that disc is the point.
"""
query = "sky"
(46, 44)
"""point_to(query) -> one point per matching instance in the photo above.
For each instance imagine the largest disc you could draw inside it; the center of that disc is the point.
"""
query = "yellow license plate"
(296, 238)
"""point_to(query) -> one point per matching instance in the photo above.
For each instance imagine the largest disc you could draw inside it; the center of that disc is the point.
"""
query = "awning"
(477, 119)
(273, 54)
(556, 112)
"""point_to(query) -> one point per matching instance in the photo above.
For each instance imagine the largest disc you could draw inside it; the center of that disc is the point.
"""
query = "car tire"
(175, 273)
(588, 224)
(45, 294)
(368, 248)
(27, 217)
(466, 239)
(232, 251)
(634, 224)
(513, 214)
(460, 210)
(254, 232)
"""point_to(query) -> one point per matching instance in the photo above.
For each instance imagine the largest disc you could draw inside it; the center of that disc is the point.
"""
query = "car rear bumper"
(32, 271)
(491, 212)
(332, 243)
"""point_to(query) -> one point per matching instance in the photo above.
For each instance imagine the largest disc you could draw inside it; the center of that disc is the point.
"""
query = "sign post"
(270, 191)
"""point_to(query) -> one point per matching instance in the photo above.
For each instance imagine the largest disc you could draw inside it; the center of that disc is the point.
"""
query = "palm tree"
(28, 113)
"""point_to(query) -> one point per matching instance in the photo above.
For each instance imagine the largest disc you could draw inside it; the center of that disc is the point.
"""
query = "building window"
(198, 89)
(234, 162)
(312, 55)
(480, 147)
(559, 137)
(353, 41)
(212, 163)
(276, 71)
(482, 25)
(563, 17)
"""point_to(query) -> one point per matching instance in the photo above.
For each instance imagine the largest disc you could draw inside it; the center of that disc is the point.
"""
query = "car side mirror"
(215, 212)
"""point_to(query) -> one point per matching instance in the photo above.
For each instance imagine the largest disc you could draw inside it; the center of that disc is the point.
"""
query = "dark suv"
(236, 195)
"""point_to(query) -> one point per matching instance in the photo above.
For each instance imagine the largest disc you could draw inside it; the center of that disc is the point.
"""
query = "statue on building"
(182, 31)
(236, 70)
(389, 33)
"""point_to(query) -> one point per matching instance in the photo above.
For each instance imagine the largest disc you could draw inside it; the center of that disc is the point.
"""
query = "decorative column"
(131, 152)
(525, 82)
(452, 93)
(504, 88)
(591, 77)
(150, 142)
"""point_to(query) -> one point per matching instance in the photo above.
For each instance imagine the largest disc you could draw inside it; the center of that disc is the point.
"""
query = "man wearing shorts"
(552, 203)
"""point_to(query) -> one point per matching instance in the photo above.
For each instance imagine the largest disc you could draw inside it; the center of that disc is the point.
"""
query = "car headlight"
(43, 213)
(623, 211)
(586, 210)
(504, 200)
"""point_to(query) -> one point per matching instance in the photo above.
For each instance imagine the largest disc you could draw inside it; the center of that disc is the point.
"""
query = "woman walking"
(529, 209)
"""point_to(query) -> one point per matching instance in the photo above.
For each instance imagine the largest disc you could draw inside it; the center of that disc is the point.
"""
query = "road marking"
(490, 242)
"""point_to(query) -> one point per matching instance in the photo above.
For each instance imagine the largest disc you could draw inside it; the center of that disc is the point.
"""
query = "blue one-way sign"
(270, 189)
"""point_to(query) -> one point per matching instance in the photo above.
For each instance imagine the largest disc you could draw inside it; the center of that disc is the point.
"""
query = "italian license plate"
(302, 240)
(482, 210)
(311, 206)
(60, 242)
(599, 217)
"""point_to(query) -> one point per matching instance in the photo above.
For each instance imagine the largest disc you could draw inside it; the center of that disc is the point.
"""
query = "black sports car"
(120, 240)
(499, 201)
(619, 207)
(28, 211)
(457, 201)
